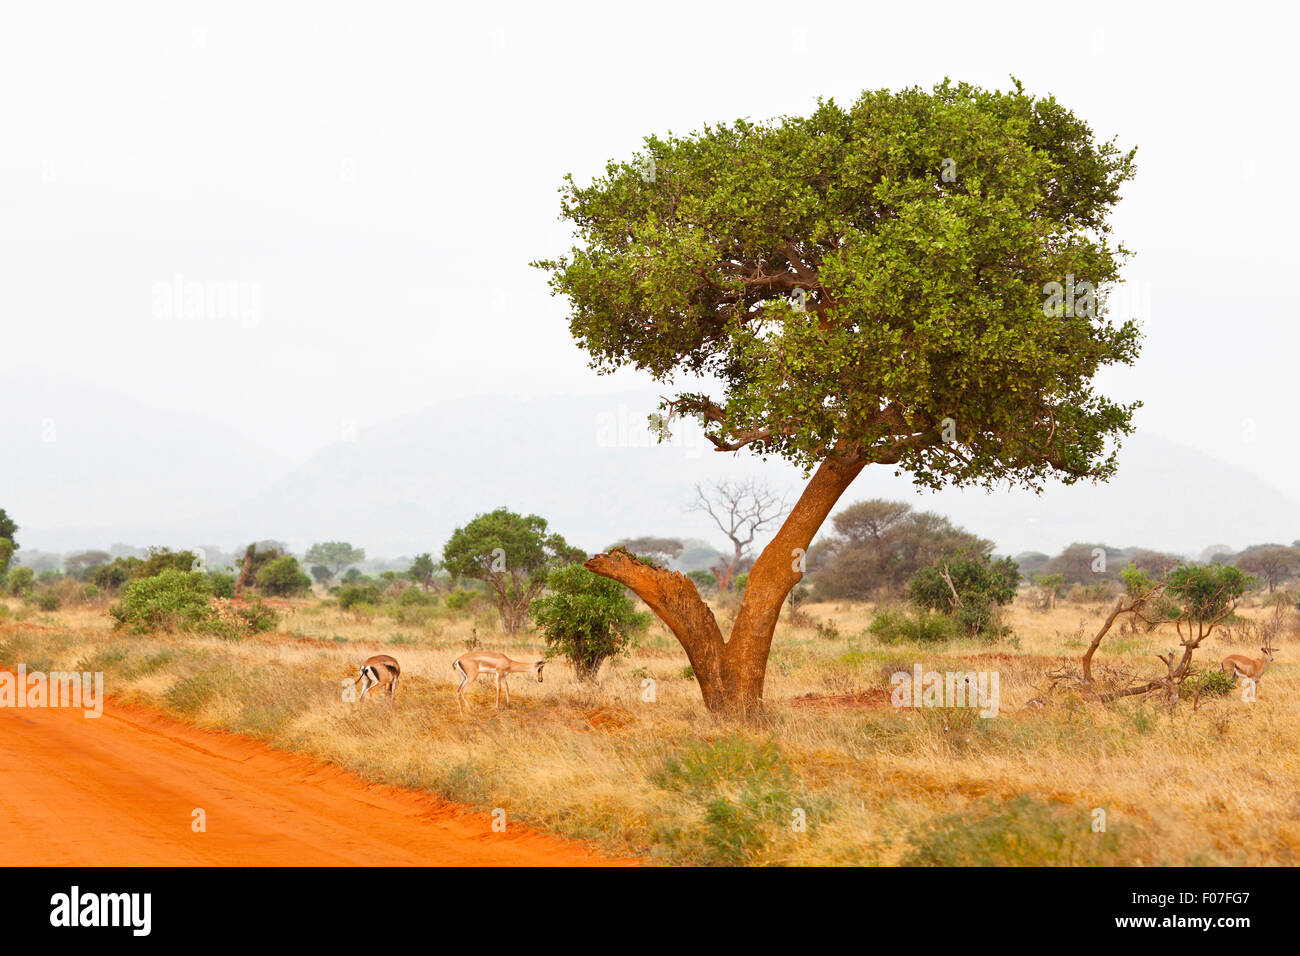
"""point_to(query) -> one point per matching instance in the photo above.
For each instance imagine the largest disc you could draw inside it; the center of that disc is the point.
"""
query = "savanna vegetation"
(616, 748)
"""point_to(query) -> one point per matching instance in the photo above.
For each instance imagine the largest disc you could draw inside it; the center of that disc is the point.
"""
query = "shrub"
(161, 559)
(460, 599)
(48, 601)
(587, 618)
(174, 599)
(21, 580)
(981, 586)
(222, 584)
(414, 597)
(1211, 683)
(896, 626)
(356, 594)
(705, 581)
(745, 789)
(282, 577)
(111, 576)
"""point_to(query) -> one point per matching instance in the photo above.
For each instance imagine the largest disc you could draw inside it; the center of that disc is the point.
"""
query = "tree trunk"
(731, 673)
(247, 570)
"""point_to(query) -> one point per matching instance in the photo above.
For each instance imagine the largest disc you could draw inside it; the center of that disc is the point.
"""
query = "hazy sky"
(371, 180)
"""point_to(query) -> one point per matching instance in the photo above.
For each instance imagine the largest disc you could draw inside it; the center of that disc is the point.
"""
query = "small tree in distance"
(512, 554)
(335, 555)
(740, 509)
(282, 577)
(423, 570)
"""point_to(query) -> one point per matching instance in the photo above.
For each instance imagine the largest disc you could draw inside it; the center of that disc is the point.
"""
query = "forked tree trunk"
(731, 672)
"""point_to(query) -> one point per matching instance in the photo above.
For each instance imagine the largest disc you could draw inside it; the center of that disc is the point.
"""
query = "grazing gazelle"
(1238, 665)
(380, 669)
(470, 665)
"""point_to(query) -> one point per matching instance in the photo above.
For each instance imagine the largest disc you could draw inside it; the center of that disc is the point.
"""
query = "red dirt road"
(120, 790)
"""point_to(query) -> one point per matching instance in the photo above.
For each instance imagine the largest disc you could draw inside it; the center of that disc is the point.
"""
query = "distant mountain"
(85, 466)
(587, 463)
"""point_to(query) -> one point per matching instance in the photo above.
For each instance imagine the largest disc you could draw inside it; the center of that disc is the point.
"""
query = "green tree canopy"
(335, 555)
(8, 529)
(423, 569)
(282, 577)
(855, 277)
(512, 554)
(881, 544)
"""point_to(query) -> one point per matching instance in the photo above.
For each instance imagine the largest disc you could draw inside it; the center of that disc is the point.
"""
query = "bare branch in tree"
(740, 510)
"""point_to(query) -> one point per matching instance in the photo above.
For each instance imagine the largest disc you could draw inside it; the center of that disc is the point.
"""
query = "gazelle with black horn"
(380, 670)
(470, 665)
(1238, 665)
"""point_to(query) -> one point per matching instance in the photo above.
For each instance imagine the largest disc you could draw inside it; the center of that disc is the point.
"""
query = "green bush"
(162, 559)
(1210, 683)
(460, 599)
(21, 580)
(174, 599)
(282, 577)
(222, 584)
(354, 595)
(587, 618)
(115, 574)
(981, 585)
(414, 597)
(48, 601)
(745, 789)
(705, 581)
(896, 626)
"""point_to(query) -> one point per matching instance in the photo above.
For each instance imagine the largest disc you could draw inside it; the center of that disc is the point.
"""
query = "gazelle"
(1238, 665)
(377, 670)
(470, 665)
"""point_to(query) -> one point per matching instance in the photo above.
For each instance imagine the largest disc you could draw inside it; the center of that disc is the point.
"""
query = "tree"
(282, 577)
(876, 284)
(423, 570)
(587, 618)
(1204, 596)
(512, 555)
(1272, 562)
(659, 550)
(968, 589)
(6, 556)
(881, 544)
(8, 529)
(740, 509)
(321, 573)
(160, 559)
(336, 555)
(1084, 563)
(705, 581)
(1052, 586)
(111, 576)
(81, 564)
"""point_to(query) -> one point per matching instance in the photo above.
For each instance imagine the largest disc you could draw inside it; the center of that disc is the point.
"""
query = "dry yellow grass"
(665, 780)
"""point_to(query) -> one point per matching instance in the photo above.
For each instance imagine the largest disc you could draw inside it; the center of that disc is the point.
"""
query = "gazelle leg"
(392, 689)
(506, 684)
(460, 688)
(498, 677)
